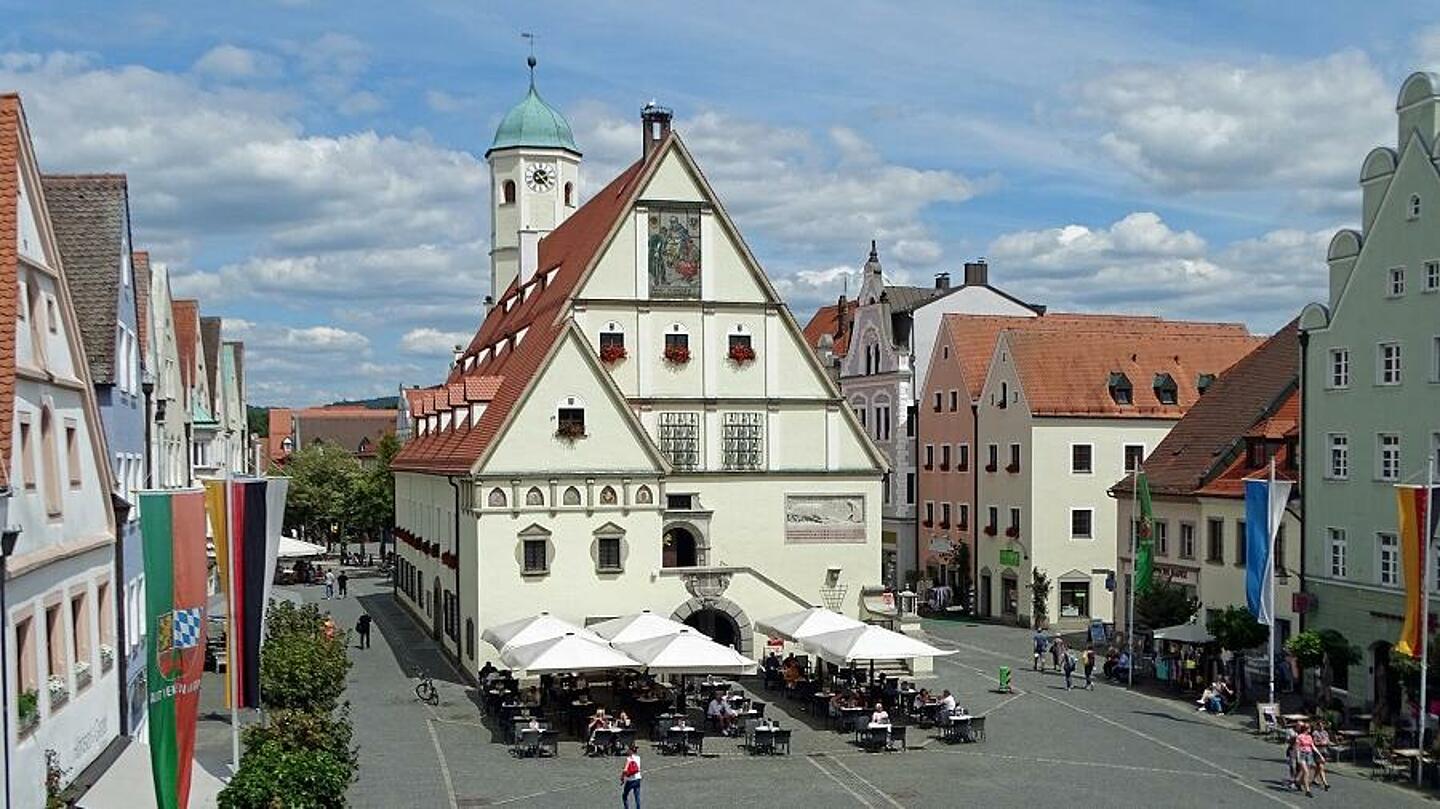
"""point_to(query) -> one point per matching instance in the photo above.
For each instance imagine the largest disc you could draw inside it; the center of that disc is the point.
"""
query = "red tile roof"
(187, 327)
(826, 320)
(10, 113)
(1257, 397)
(1067, 372)
(140, 266)
(521, 330)
(281, 427)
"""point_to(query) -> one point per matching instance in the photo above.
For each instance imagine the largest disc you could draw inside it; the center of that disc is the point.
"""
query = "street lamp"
(8, 536)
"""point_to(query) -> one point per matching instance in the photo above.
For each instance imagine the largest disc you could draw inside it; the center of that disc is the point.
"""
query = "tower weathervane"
(526, 35)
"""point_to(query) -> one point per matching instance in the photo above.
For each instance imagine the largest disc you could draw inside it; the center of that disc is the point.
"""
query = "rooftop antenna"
(526, 35)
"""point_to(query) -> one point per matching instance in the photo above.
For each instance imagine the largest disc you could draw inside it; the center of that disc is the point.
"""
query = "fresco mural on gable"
(675, 253)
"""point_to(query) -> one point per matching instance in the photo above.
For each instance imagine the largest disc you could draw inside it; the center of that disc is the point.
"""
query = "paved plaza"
(1105, 747)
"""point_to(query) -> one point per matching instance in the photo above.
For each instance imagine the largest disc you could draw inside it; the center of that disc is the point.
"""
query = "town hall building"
(638, 422)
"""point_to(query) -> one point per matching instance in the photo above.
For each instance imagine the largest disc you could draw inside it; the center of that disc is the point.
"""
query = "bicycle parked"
(425, 689)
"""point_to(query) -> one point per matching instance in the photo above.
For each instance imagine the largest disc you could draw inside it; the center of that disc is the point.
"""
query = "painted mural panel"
(675, 253)
(824, 518)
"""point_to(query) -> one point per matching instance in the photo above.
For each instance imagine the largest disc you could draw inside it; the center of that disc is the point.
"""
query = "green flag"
(1144, 537)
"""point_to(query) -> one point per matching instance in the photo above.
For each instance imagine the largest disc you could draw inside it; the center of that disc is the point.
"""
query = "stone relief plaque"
(824, 518)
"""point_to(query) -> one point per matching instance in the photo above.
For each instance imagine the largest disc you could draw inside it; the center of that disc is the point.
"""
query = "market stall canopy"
(640, 626)
(292, 548)
(1185, 633)
(794, 626)
(868, 642)
(687, 652)
(569, 652)
(533, 630)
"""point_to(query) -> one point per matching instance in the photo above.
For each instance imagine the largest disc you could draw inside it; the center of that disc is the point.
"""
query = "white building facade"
(638, 424)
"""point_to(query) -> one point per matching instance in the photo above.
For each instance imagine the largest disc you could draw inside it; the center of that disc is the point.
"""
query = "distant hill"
(377, 403)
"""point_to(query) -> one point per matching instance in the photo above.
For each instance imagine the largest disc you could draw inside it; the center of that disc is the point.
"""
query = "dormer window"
(1120, 389)
(1414, 209)
(1203, 382)
(287, 444)
(1165, 389)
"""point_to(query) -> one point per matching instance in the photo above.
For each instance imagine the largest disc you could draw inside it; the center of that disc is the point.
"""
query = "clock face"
(540, 177)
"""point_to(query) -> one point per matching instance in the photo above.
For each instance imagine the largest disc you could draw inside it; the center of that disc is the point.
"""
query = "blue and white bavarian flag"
(1264, 513)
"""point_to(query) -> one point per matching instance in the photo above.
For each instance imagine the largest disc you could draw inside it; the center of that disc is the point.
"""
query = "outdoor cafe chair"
(897, 737)
(780, 738)
(977, 728)
(873, 739)
(549, 740)
(527, 743)
(1381, 761)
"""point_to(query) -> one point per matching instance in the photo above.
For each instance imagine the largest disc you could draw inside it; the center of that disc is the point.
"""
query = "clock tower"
(534, 185)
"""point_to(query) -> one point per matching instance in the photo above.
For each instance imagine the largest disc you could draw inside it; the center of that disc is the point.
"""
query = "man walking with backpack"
(362, 629)
(1040, 642)
(1067, 665)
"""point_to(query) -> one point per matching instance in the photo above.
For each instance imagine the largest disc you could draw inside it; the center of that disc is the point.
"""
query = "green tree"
(1237, 630)
(1039, 597)
(1164, 604)
(373, 509)
(1325, 650)
(323, 481)
(300, 668)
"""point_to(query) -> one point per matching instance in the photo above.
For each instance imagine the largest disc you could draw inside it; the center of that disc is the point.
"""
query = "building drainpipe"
(975, 506)
(1300, 467)
(459, 654)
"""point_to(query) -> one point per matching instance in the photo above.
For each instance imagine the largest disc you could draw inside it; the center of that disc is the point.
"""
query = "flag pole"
(1269, 573)
(230, 630)
(1134, 561)
(1425, 568)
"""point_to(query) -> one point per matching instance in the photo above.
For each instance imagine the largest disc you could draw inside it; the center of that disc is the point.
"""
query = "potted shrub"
(741, 353)
(677, 355)
(28, 707)
(569, 431)
(611, 354)
(59, 690)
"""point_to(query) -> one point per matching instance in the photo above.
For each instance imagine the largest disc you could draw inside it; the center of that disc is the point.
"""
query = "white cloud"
(362, 102)
(432, 341)
(233, 62)
(1222, 126)
(441, 101)
(1142, 265)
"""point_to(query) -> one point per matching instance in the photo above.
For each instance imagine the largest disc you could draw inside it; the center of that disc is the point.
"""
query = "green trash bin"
(1005, 679)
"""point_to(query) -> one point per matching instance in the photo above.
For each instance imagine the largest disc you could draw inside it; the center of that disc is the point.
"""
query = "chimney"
(456, 354)
(488, 304)
(977, 272)
(942, 280)
(841, 314)
(654, 126)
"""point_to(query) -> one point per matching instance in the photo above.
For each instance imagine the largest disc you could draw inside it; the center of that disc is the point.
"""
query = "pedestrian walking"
(330, 628)
(1056, 646)
(362, 628)
(343, 580)
(1305, 754)
(1089, 667)
(1040, 642)
(630, 777)
(1067, 665)
(329, 584)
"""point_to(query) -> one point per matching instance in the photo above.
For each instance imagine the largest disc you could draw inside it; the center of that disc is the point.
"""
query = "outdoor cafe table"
(1412, 756)
(684, 731)
(873, 735)
(1354, 737)
(957, 727)
(602, 740)
(850, 717)
(820, 703)
(1292, 718)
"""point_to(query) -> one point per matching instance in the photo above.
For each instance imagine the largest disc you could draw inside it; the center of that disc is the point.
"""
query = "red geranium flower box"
(741, 354)
(612, 354)
(677, 355)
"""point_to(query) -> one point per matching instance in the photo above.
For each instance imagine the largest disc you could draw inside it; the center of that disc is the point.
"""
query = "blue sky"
(312, 169)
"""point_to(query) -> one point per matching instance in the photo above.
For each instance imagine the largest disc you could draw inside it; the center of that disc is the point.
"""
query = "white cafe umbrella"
(640, 626)
(794, 626)
(569, 652)
(868, 642)
(532, 630)
(1194, 634)
(292, 548)
(687, 652)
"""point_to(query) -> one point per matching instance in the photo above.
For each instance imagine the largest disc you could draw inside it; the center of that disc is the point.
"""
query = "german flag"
(1418, 519)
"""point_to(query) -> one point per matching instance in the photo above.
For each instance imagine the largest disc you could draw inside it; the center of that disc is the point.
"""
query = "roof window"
(1120, 389)
(1203, 382)
(1165, 390)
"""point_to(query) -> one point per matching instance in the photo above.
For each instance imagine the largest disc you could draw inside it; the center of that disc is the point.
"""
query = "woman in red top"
(1305, 753)
(630, 777)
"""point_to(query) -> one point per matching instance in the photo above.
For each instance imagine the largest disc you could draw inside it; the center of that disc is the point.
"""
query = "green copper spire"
(533, 123)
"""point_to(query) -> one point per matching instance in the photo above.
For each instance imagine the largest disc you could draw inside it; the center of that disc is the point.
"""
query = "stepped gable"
(521, 330)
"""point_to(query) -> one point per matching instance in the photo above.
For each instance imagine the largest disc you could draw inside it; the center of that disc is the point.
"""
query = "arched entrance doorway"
(680, 548)
(435, 610)
(717, 626)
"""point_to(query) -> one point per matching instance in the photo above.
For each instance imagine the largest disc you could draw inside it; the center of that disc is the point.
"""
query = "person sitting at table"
(533, 724)
(947, 702)
(1206, 700)
(1121, 669)
(921, 700)
(792, 673)
(880, 716)
(721, 713)
(624, 721)
(598, 720)
(837, 701)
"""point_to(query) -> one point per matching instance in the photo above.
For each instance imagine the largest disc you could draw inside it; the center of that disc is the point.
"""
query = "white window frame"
(1338, 376)
(1337, 458)
(1075, 471)
(1395, 282)
(1125, 457)
(1382, 472)
(1432, 276)
(1435, 358)
(1339, 549)
(1387, 562)
(1412, 210)
(1077, 537)
(1386, 374)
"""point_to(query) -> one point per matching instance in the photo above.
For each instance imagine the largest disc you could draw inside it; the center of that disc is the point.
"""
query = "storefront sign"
(1010, 558)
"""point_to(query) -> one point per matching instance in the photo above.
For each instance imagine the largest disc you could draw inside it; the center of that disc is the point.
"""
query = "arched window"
(497, 498)
(571, 496)
(570, 195)
(509, 192)
(1414, 206)
(534, 497)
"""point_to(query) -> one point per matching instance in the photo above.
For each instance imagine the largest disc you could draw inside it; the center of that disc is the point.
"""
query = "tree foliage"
(1164, 604)
(1039, 597)
(1313, 648)
(1237, 630)
(323, 480)
(374, 493)
(300, 668)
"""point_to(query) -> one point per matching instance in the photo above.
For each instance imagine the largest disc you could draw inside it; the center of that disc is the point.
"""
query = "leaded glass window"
(743, 440)
(680, 440)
